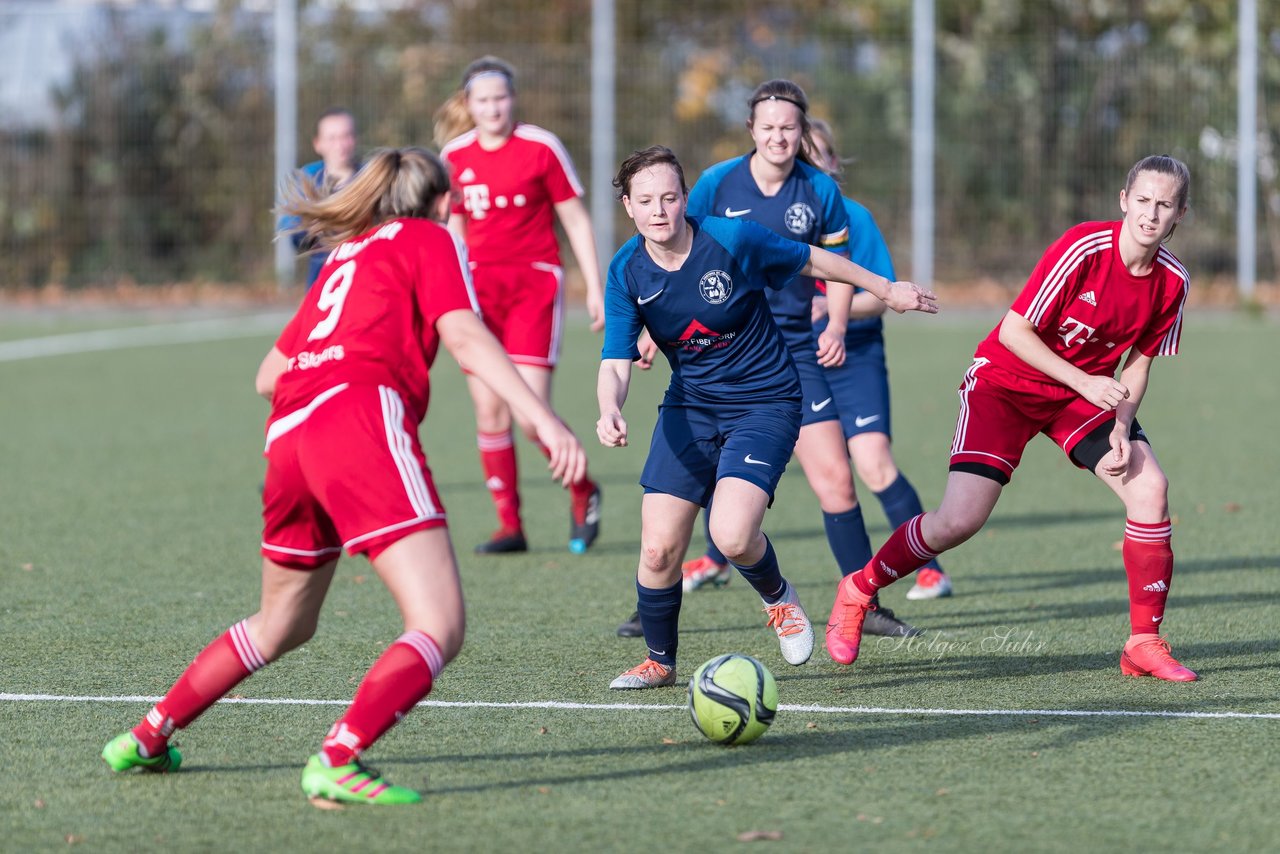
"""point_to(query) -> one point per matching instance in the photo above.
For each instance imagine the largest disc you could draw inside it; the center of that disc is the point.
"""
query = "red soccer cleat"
(1148, 655)
(844, 629)
(703, 570)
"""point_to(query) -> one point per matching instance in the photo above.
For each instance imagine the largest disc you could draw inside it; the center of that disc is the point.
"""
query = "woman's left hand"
(830, 349)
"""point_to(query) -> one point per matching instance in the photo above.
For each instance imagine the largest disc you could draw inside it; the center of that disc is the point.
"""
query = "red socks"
(501, 476)
(401, 677)
(902, 554)
(578, 492)
(216, 670)
(1148, 561)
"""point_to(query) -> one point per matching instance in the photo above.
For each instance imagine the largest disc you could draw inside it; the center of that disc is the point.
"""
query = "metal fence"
(151, 159)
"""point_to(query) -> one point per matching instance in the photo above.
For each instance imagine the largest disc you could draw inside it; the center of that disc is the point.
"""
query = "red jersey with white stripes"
(1090, 310)
(370, 318)
(508, 194)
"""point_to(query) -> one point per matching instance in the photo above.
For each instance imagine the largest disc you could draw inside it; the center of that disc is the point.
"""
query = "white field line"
(651, 707)
(159, 334)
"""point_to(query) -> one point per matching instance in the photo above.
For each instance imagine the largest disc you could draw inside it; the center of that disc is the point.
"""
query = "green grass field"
(128, 540)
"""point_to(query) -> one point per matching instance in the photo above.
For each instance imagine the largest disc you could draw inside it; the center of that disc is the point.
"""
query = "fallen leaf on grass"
(543, 790)
(358, 579)
(1231, 507)
(760, 836)
(325, 804)
(811, 725)
(27, 567)
(542, 730)
(39, 804)
(74, 838)
(668, 740)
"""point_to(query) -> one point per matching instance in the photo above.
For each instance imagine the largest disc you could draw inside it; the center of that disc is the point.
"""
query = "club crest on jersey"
(799, 218)
(715, 286)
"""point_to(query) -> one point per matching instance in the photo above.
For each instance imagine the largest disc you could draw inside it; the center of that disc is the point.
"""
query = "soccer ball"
(733, 699)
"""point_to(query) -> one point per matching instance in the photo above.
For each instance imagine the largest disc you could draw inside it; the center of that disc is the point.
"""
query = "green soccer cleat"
(353, 783)
(122, 753)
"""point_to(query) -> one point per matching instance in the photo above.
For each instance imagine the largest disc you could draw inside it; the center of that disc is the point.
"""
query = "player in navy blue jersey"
(861, 384)
(335, 142)
(731, 415)
(777, 186)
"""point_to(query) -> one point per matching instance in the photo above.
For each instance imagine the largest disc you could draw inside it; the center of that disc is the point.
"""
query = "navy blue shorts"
(695, 445)
(861, 389)
(819, 402)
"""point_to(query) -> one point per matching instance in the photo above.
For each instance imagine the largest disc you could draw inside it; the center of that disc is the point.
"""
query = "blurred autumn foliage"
(159, 165)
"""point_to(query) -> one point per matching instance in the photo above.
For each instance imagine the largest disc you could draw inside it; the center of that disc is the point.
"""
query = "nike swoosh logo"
(863, 422)
(818, 407)
(649, 299)
(747, 459)
(658, 651)
(1157, 619)
(731, 213)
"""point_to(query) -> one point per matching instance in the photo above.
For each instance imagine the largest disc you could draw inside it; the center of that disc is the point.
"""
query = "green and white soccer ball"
(733, 699)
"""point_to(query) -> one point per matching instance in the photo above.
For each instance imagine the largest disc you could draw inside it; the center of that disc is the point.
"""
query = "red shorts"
(1000, 413)
(523, 306)
(345, 471)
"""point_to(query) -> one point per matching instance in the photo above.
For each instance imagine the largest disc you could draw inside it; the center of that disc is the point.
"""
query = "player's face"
(776, 131)
(491, 105)
(656, 203)
(823, 157)
(1151, 208)
(335, 141)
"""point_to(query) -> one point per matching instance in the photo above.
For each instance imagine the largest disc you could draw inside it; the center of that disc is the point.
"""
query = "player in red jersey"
(1103, 290)
(348, 382)
(512, 177)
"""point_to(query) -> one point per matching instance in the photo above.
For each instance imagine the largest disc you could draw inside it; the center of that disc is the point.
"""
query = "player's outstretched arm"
(612, 385)
(273, 365)
(465, 336)
(1020, 337)
(899, 296)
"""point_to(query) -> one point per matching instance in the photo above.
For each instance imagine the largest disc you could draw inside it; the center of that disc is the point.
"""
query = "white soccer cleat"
(646, 674)
(795, 632)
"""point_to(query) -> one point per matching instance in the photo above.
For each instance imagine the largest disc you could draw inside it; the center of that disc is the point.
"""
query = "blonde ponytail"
(452, 119)
(393, 183)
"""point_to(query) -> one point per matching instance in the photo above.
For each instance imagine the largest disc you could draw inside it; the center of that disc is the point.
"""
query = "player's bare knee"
(732, 538)
(877, 474)
(658, 557)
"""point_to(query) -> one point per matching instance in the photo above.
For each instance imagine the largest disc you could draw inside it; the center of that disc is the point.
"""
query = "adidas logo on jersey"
(1157, 587)
(1089, 297)
(468, 174)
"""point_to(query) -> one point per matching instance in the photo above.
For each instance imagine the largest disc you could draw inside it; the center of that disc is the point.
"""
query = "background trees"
(158, 167)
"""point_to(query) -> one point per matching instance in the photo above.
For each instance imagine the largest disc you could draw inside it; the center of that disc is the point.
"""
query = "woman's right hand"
(1103, 392)
(611, 430)
(568, 463)
(907, 296)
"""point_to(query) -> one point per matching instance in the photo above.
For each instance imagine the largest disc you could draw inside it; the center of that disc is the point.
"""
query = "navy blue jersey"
(710, 318)
(808, 208)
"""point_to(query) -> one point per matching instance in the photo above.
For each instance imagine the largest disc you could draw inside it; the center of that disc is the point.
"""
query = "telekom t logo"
(1073, 332)
(476, 199)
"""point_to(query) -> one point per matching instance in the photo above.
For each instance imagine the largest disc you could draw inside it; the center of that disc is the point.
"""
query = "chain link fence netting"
(149, 157)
